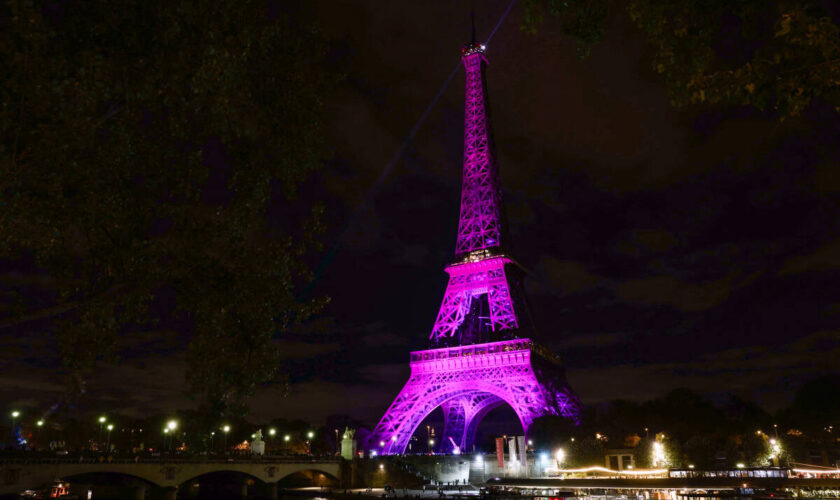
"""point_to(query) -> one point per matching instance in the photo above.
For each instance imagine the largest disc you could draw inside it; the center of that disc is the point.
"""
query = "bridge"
(17, 475)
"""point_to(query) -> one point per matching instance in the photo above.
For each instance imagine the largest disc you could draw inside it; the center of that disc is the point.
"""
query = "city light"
(658, 454)
(635, 472)
(560, 455)
(272, 432)
(287, 438)
(172, 425)
(382, 443)
(310, 434)
(15, 414)
(739, 465)
(530, 443)
(226, 429)
(110, 427)
(431, 442)
(39, 423)
(479, 458)
(373, 453)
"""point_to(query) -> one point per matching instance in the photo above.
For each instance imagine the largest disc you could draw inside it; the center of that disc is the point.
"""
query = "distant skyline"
(665, 248)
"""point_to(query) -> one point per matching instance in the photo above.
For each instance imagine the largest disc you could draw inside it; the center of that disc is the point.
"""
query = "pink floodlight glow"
(482, 364)
(468, 382)
(479, 224)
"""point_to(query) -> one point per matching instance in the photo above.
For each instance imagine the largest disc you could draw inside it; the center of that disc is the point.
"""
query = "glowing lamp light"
(658, 454)
(226, 429)
(15, 414)
(739, 465)
(382, 443)
(101, 420)
(110, 427)
(381, 466)
(394, 438)
(431, 442)
(39, 423)
(479, 459)
(691, 466)
(310, 434)
(544, 457)
(286, 437)
(560, 455)
(373, 453)
(530, 443)
(272, 432)
(172, 425)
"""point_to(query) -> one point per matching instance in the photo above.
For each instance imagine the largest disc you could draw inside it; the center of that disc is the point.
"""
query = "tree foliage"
(143, 148)
(776, 56)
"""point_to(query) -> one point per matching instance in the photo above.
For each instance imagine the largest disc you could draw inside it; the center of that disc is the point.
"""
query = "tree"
(154, 148)
(775, 56)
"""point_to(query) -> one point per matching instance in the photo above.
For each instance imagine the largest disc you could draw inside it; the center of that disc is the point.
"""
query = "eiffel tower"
(478, 358)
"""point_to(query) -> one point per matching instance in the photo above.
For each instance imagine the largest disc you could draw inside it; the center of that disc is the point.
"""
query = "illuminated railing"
(484, 349)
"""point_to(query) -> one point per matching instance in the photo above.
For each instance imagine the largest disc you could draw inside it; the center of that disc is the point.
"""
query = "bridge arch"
(87, 476)
(222, 471)
(221, 483)
(309, 477)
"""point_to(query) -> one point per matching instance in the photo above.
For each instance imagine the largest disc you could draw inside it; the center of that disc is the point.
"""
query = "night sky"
(666, 248)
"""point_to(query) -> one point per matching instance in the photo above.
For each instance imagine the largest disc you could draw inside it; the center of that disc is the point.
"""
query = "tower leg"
(454, 418)
(479, 407)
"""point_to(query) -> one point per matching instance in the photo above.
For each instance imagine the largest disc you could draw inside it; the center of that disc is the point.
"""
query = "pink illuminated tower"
(478, 359)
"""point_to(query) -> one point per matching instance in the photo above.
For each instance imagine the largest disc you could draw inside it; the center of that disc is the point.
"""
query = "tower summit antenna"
(472, 21)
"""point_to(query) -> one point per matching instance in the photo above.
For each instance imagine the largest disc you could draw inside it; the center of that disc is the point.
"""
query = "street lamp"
(110, 428)
(15, 415)
(226, 429)
(212, 435)
(431, 443)
(101, 421)
(309, 436)
(165, 435)
(271, 433)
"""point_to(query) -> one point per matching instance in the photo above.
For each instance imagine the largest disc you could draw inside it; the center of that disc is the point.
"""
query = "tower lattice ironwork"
(477, 361)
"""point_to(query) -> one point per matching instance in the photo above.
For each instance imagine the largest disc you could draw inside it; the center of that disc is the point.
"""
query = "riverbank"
(355, 493)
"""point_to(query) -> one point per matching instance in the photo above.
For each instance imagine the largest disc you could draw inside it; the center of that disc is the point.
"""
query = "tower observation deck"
(477, 360)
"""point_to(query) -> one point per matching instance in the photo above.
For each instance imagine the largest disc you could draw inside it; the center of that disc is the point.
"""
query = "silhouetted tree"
(156, 149)
(770, 55)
